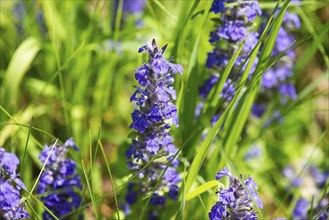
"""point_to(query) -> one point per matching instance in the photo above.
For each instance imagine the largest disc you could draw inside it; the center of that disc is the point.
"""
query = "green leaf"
(54, 21)
(18, 66)
(204, 187)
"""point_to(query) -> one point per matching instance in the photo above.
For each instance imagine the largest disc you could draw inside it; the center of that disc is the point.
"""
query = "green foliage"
(71, 74)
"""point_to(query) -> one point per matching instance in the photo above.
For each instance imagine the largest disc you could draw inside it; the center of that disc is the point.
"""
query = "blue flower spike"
(153, 116)
(236, 202)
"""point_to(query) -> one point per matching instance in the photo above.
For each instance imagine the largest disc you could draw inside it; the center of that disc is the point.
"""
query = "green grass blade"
(192, 60)
(26, 144)
(54, 21)
(19, 119)
(18, 66)
(316, 37)
(203, 151)
(203, 188)
(43, 167)
(111, 178)
(90, 190)
(163, 8)
(212, 101)
(32, 209)
(40, 203)
(311, 50)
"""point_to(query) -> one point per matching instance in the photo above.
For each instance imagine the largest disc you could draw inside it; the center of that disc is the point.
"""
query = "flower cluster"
(59, 181)
(302, 209)
(236, 202)
(277, 80)
(152, 142)
(10, 187)
(312, 172)
(310, 185)
(232, 29)
(131, 7)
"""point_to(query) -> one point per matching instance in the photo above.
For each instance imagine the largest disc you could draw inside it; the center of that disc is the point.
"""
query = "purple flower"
(10, 187)
(224, 172)
(300, 210)
(217, 6)
(320, 178)
(251, 41)
(235, 20)
(229, 34)
(319, 202)
(258, 109)
(130, 8)
(217, 212)
(254, 152)
(207, 86)
(217, 59)
(157, 200)
(59, 182)
(291, 21)
(228, 91)
(235, 202)
(232, 31)
(133, 6)
(251, 10)
(276, 80)
(140, 122)
(287, 90)
(154, 109)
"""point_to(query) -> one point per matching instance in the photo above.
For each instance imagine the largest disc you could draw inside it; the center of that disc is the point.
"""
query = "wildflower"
(254, 152)
(59, 182)
(235, 202)
(289, 172)
(318, 179)
(133, 6)
(277, 81)
(302, 209)
(310, 184)
(10, 188)
(229, 33)
(151, 120)
(19, 11)
(217, 6)
(129, 8)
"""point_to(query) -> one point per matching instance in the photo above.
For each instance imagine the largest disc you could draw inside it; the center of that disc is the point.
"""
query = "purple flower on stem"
(320, 202)
(277, 79)
(10, 188)
(235, 202)
(254, 152)
(300, 210)
(59, 182)
(133, 6)
(232, 30)
(217, 6)
(151, 120)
